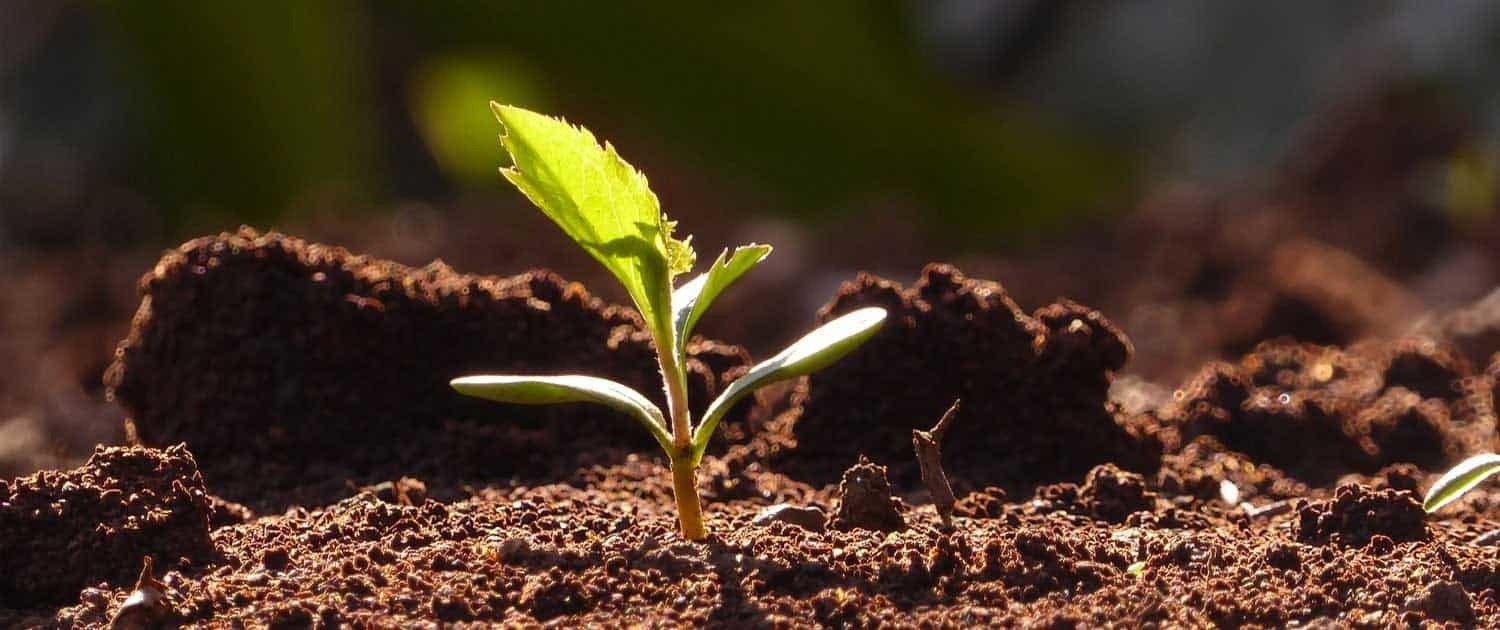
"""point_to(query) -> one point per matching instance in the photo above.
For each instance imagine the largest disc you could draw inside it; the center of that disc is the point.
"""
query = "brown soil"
(1277, 490)
(257, 349)
(61, 531)
(1034, 389)
(1321, 411)
(582, 555)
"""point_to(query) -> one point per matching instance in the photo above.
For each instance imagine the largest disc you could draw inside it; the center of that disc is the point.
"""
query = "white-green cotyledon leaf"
(1460, 479)
(814, 351)
(693, 298)
(547, 390)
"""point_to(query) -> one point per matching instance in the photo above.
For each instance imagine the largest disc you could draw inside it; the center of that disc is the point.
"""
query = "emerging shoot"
(605, 205)
(1460, 479)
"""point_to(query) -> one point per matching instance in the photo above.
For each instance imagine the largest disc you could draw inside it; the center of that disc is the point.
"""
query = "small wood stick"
(941, 428)
(930, 459)
(147, 605)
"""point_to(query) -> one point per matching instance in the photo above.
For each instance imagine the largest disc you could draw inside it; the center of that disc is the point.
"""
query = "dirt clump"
(1108, 494)
(865, 501)
(1319, 411)
(1444, 600)
(1034, 388)
(1425, 366)
(1200, 470)
(1357, 514)
(258, 349)
(988, 502)
(62, 531)
(404, 491)
(1111, 494)
(810, 518)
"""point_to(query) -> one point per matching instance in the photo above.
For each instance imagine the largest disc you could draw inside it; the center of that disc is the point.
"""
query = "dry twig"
(930, 459)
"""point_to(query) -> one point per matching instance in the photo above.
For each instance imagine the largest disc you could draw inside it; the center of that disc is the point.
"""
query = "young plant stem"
(684, 472)
(685, 490)
(677, 403)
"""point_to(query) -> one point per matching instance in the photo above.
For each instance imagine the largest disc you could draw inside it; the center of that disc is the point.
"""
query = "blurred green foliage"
(461, 136)
(819, 108)
(1470, 187)
(249, 106)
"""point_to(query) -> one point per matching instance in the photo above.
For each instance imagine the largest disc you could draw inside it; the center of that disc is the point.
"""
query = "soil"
(1241, 442)
(1320, 411)
(61, 531)
(1274, 490)
(259, 349)
(1034, 389)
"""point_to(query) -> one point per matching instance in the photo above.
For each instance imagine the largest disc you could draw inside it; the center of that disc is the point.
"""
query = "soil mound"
(1205, 468)
(62, 531)
(1320, 411)
(1108, 494)
(1112, 494)
(1034, 388)
(278, 360)
(864, 500)
(1357, 514)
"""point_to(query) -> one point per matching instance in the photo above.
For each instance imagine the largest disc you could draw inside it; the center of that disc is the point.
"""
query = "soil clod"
(1444, 601)
(1356, 513)
(1111, 494)
(810, 518)
(62, 531)
(405, 491)
(1319, 411)
(1034, 386)
(865, 501)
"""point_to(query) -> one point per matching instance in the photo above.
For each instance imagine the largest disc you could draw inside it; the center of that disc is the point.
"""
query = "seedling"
(1460, 479)
(605, 205)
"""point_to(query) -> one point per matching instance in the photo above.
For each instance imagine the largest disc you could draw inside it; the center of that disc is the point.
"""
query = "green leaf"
(602, 203)
(680, 254)
(547, 390)
(814, 351)
(693, 298)
(1460, 479)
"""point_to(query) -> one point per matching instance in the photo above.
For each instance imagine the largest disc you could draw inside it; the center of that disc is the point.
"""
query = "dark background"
(1170, 162)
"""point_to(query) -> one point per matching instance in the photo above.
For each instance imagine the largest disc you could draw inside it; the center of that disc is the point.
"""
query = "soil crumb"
(864, 500)
(62, 531)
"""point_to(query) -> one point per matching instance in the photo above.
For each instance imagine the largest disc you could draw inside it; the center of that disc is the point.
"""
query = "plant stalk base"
(685, 490)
